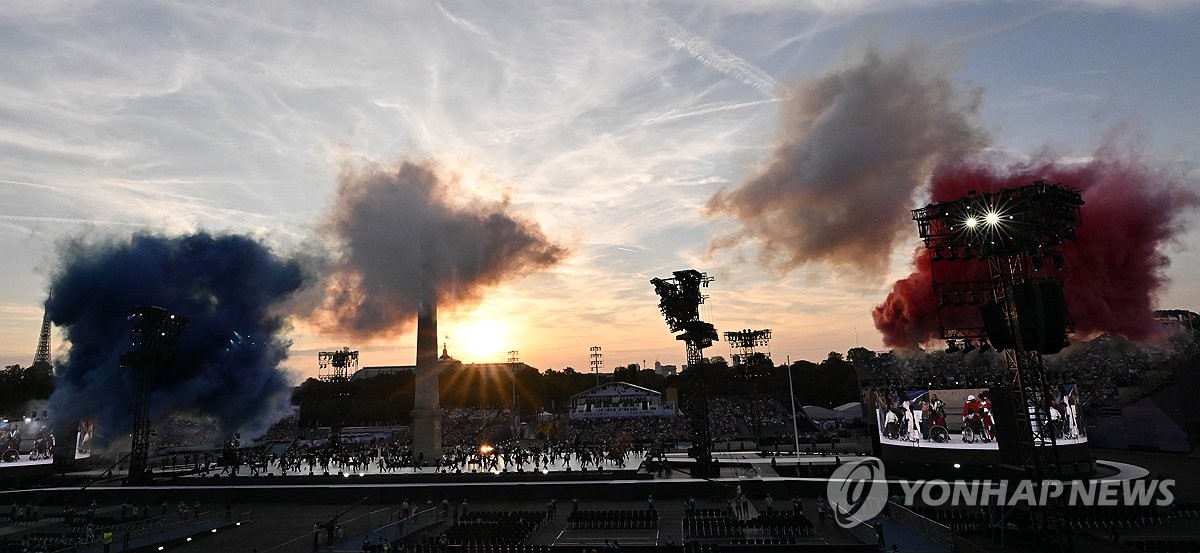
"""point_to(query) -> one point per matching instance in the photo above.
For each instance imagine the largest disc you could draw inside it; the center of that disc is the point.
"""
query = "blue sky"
(611, 124)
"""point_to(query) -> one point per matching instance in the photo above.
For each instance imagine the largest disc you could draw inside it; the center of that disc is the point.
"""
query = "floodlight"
(972, 221)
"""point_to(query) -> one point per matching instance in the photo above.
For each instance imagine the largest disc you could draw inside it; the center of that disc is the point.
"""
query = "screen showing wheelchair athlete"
(30, 441)
(963, 418)
(939, 418)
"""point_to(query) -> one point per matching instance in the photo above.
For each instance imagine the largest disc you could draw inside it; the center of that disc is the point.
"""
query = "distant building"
(619, 399)
(665, 370)
(371, 372)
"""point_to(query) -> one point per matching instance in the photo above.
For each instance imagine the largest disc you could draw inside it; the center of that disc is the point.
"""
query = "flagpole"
(795, 429)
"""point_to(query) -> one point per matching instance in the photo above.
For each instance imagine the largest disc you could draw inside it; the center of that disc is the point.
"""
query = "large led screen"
(961, 418)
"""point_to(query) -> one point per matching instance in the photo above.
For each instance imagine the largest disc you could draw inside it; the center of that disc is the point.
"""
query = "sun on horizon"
(480, 341)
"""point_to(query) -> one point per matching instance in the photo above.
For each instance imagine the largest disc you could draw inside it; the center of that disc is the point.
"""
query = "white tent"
(816, 412)
(851, 410)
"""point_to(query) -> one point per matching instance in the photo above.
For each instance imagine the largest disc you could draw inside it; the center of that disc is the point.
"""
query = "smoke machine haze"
(1112, 272)
(226, 364)
(403, 241)
(854, 146)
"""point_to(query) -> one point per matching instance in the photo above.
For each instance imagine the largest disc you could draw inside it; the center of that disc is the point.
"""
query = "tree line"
(19, 386)
(388, 398)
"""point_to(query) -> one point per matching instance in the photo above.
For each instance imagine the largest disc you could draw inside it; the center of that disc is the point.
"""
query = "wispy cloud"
(717, 57)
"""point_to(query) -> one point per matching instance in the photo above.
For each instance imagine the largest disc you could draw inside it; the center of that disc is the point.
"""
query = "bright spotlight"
(486, 449)
(957, 465)
(972, 221)
(992, 218)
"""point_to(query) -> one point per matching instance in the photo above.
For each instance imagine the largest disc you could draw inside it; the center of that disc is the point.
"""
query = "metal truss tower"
(596, 358)
(1003, 252)
(680, 300)
(154, 336)
(744, 349)
(336, 367)
(749, 363)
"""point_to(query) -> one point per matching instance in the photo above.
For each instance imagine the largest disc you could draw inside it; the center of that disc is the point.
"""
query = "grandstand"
(619, 400)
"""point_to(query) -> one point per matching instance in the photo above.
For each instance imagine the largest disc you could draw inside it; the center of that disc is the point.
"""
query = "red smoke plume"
(1112, 272)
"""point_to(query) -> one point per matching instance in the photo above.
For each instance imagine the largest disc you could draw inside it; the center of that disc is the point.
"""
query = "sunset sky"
(611, 125)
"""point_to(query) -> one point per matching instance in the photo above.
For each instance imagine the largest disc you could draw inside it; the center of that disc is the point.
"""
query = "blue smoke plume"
(227, 361)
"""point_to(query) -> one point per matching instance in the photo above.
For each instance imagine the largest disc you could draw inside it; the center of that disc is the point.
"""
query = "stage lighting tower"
(336, 367)
(749, 363)
(680, 299)
(155, 334)
(596, 358)
(1021, 308)
(744, 349)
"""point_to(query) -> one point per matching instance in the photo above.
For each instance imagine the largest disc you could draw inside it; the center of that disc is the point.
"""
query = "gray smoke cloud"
(403, 237)
(854, 146)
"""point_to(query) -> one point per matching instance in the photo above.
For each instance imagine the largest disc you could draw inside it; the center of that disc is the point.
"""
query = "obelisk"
(427, 410)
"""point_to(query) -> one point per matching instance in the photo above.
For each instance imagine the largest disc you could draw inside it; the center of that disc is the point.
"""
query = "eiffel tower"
(41, 359)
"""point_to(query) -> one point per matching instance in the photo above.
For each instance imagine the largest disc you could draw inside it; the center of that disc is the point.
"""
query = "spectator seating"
(618, 519)
(486, 528)
(1164, 545)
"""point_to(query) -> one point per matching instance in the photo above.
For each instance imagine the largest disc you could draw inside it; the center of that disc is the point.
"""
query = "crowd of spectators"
(640, 431)
(472, 425)
(1110, 370)
(738, 417)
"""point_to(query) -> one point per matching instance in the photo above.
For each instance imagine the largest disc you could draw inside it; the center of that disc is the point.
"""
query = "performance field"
(955, 441)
